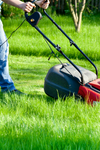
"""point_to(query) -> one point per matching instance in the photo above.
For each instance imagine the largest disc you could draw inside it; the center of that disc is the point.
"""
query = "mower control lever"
(34, 18)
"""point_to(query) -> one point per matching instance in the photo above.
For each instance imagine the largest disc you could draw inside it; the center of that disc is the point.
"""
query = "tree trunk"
(99, 6)
(77, 13)
(92, 4)
(62, 6)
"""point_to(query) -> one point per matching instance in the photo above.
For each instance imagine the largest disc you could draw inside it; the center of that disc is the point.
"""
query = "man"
(6, 82)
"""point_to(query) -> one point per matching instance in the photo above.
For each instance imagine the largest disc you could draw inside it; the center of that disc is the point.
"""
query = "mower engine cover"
(65, 81)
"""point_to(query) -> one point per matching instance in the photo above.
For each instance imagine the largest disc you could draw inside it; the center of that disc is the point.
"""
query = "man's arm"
(28, 5)
(19, 4)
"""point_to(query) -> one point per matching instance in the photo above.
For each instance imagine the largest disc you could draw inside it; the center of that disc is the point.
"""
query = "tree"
(77, 7)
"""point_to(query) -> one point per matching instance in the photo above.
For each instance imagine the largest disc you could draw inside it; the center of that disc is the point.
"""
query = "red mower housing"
(92, 93)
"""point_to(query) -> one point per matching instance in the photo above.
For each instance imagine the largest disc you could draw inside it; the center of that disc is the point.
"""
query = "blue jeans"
(6, 82)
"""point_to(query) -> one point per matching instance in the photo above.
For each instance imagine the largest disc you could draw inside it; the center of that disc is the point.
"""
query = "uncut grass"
(25, 41)
(39, 122)
(42, 125)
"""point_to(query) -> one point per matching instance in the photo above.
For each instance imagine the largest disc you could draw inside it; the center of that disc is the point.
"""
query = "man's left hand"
(43, 3)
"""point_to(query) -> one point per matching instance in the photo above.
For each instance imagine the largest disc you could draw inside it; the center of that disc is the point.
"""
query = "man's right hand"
(28, 6)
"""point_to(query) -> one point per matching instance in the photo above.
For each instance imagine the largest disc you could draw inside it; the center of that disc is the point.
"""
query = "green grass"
(27, 41)
(39, 122)
(36, 121)
(29, 72)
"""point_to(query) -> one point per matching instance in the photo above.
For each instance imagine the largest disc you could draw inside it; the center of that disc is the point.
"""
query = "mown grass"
(26, 40)
(36, 121)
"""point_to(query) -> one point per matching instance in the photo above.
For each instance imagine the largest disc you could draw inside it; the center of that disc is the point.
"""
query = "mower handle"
(71, 42)
(34, 19)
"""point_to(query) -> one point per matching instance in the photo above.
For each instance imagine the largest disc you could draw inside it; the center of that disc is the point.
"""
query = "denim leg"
(6, 82)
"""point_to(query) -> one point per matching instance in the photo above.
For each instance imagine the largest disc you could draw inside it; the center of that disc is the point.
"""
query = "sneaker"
(17, 92)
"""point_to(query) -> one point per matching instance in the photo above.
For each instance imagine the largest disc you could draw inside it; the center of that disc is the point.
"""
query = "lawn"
(26, 39)
(36, 121)
(39, 122)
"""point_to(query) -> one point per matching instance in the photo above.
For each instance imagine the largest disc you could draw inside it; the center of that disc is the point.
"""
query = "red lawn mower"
(67, 79)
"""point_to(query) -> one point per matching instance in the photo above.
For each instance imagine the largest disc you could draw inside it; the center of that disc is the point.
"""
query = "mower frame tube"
(71, 41)
(59, 50)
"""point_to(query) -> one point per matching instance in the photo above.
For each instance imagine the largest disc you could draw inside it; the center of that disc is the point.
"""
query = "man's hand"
(43, 3)
(28, 6)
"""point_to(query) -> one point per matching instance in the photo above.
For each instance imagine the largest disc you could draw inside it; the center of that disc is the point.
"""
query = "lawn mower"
(66, 79)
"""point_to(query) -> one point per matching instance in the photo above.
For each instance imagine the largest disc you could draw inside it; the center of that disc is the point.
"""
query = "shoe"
(17, 92)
